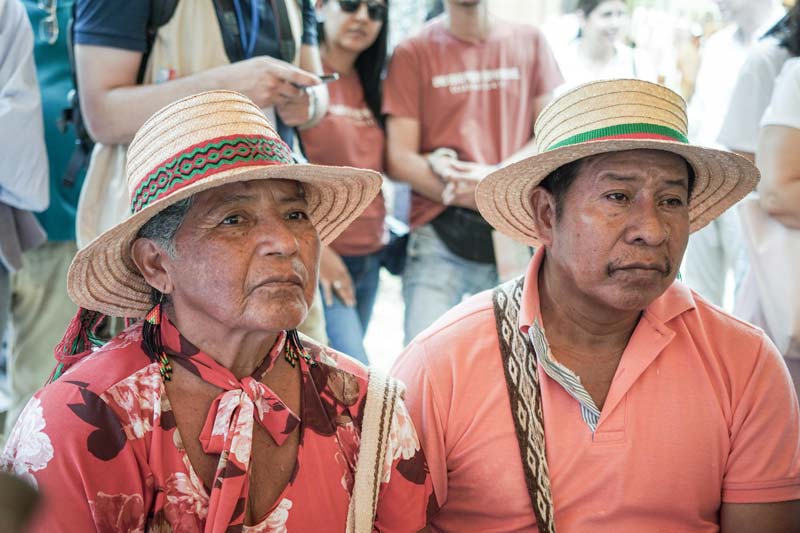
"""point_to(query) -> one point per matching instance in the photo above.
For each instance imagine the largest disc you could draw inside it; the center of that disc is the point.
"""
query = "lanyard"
(248, 43)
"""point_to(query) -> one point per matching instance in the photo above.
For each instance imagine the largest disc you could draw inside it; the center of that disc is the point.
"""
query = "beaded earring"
(293, 349)
(151, 335)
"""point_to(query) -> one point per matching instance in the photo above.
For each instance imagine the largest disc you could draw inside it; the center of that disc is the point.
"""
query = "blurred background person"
(753, 89)
(774, 247)
(461, 97)
(717, 250)
(600, 50)
(353, 35)
(23, 179)
(40, 306)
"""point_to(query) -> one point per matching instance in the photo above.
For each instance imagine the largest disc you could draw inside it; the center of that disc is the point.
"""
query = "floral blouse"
(102, 446)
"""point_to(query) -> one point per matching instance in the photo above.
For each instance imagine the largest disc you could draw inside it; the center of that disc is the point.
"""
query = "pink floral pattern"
(29, 448)
(104, 439)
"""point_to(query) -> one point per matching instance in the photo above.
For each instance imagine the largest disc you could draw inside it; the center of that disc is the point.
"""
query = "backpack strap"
(520, 368)
(383, 394)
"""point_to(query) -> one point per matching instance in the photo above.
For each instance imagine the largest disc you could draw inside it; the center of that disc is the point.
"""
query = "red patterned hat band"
(205, 159)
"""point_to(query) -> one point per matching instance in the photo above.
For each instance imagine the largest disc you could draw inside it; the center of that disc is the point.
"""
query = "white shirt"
(784, 110)
(721, 59)
(751, 96)
(626, 63)
(24, 174)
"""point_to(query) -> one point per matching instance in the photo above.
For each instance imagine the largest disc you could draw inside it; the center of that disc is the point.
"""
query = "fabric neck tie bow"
(228, 430)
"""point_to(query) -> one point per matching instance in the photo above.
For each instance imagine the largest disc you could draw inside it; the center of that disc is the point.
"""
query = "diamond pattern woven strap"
(522, 380)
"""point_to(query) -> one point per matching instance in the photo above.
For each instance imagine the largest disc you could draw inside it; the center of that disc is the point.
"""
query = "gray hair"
(162, 228)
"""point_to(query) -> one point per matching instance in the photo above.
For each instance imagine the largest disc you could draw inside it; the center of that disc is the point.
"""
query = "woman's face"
(606, 22)
(246, 257)
(355, 31)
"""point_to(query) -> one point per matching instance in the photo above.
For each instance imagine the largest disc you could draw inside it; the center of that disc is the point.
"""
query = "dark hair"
(370, 65)
(787, 31)
(587, 6)
(559, 181)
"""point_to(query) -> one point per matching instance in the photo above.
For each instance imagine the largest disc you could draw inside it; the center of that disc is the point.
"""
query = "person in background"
(40, 306)
(718, 249)
(353, 44)
(599, 51)
(23, 178)
(753, 89)
(778, 158)
(461, 98)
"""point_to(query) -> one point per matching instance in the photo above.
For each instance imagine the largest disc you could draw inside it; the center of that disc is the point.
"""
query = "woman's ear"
(543, 207)
(153, 262)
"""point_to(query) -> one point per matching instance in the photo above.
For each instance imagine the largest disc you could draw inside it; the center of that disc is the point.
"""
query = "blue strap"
(248, 42)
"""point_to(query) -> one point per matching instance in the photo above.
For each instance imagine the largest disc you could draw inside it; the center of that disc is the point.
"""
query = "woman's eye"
(298, 215)
(232, 220)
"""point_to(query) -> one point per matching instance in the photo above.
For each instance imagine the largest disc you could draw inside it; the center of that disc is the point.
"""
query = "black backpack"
(160, 13)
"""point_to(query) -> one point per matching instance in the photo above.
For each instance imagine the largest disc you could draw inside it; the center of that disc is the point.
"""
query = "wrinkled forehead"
(654, 164)
(276, 189)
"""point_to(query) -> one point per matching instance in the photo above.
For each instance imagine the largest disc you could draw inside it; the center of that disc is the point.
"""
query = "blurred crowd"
(352, 83)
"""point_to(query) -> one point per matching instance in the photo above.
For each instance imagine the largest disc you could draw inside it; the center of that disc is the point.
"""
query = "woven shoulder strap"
(383, 393)
(522, 380)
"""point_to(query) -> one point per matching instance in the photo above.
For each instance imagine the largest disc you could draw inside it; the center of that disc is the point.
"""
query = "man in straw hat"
(211, 413)
(597, 393)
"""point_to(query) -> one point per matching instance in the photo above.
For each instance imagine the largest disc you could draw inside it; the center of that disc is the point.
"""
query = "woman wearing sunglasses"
(352, 44)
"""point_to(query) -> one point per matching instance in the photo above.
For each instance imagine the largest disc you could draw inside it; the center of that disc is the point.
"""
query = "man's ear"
(153, 262)
(543, 207)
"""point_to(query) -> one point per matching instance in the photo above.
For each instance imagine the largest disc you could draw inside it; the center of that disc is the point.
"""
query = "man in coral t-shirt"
(597, 385)
(461, 98)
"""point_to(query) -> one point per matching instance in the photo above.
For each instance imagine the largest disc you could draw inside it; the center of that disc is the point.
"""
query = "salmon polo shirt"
(701, 411)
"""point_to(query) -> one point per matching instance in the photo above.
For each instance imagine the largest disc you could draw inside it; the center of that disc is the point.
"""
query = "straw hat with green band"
(192, 145)
(612, 116)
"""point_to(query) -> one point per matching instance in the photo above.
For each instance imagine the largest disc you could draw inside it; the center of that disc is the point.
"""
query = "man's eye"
(617, 197)
(232, 220)
(674, 202)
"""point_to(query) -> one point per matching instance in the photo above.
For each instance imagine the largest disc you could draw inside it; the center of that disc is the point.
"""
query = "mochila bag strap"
(522, 380)
(383, 393)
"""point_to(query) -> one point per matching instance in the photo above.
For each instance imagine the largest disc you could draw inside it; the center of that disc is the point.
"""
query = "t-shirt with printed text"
(476, 98)
(350, 136)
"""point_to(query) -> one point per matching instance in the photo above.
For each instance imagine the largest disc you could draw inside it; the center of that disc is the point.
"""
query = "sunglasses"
(375, 10)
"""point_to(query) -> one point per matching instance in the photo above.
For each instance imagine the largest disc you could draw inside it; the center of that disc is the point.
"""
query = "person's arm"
(405, 163)
(22, 185)
(779, 161)
(115, 106)
(781, 517)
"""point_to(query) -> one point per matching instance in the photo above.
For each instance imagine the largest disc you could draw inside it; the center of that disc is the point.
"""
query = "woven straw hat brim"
(102, 276)
(721, 179)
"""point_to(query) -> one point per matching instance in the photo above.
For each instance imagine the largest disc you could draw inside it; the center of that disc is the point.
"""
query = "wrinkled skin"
(620, 239)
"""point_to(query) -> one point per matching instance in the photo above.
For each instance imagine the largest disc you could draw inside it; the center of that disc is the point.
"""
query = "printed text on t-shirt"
(475, 80)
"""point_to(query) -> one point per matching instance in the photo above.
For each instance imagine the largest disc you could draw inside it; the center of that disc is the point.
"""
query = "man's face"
(246, 257)
(620, 237)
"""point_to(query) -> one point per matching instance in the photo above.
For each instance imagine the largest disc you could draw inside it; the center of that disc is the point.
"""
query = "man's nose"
(646, 224)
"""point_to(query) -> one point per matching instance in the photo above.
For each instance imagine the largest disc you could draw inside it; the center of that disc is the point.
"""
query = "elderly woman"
(211, 414)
